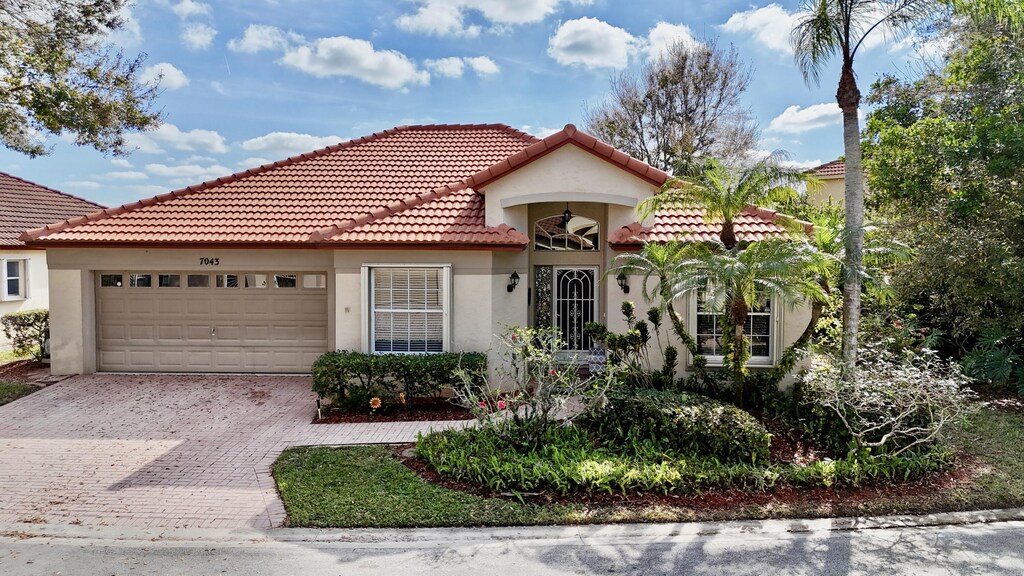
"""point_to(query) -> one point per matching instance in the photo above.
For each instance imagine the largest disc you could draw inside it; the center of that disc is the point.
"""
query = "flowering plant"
(375, 404)
(539, 386)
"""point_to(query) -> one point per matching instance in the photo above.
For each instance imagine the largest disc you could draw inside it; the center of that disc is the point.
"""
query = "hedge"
(683, 423)
(350, 379)
(27, 331)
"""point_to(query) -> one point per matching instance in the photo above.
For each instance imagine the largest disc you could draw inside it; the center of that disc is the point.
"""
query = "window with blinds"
(408, 310)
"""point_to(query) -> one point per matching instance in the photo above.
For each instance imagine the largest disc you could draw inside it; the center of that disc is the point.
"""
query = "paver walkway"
(163, 450)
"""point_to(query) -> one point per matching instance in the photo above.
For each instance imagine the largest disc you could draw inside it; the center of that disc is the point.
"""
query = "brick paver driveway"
(162, 450)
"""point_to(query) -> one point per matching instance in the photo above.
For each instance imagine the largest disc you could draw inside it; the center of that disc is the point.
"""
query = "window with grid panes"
(407, 310)
(758, 330)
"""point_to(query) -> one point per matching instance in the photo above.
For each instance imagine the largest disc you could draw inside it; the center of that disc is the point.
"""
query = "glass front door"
(574, 305)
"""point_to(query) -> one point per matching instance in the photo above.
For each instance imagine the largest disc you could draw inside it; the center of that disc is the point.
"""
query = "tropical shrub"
(893, 403)
(27, 331)
(681, 423)
(351, 379)
(535, 383)
(997, 360)
(567, 461)
(630, 351)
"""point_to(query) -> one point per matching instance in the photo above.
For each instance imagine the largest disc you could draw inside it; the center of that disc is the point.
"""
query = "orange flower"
(401, 397)
(374, 402)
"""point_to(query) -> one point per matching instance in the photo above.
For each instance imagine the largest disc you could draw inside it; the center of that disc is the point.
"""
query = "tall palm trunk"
(848, 97)
(737, 314)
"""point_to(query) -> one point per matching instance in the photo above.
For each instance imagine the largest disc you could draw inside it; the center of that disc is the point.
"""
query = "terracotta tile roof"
(830, 169)
(308, 197)
(25, 205)
(568, 135)
(689, 226)
(408, 186)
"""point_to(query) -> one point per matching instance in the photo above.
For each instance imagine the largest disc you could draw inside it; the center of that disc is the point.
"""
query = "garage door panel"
(266, 330)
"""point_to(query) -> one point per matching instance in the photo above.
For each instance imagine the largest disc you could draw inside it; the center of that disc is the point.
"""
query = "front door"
(575, 304)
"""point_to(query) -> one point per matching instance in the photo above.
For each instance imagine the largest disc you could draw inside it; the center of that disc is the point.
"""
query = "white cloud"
(187, 8)
(166, 74)
(344, 56)
(539, 131)
(448, 17)
(121, 162)
(146, 190)
(591, 43)
(453, 67)
(129, 35)
(198, 37)
(447, 67)
(188, 172)
(770, 25)
(284, 144)
(259, 38)
(253, 162)
(81, 185)
(191, 141)
(795, 119)
(664, 35)
(126, 175)
(218, 88)
(800, 164)
(483, 65)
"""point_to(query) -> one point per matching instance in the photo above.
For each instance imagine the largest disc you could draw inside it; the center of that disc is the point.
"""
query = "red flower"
(552, 371)
(501, 404)
(483, 404)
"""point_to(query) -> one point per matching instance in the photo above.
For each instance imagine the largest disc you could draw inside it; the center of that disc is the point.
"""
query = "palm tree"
(723, 193)
(657, 261)
(738, 280)
(838, 28)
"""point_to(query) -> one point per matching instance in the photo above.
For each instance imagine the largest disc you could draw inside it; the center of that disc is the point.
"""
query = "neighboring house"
(833, 184)
(25, 205)
(416, 239)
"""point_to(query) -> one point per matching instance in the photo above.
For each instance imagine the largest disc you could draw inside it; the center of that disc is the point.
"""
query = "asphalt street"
(752, 548)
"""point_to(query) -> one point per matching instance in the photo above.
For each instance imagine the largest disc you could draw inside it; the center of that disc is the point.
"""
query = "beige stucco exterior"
(36, 284)
(831, 190)
(479, 302)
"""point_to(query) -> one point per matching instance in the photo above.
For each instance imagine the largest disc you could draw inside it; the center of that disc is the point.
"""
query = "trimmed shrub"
(682, 423)
(27, 331)
(350, 379)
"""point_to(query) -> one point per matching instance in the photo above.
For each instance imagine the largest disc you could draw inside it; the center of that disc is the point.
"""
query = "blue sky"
(250, 81)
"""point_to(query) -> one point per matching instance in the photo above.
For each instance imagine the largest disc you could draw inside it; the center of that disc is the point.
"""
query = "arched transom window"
(554, 233)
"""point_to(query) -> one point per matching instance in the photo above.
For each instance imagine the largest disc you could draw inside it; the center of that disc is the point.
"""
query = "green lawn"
(364, 486)
(10, 391)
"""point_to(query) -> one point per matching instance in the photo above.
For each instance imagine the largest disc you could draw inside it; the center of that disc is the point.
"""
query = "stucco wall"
(831, 190)
(36, 285)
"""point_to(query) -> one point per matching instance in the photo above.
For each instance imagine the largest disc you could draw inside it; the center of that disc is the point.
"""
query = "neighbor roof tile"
(25, 205)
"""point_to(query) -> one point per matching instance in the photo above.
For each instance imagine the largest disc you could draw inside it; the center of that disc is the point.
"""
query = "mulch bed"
(426, 409)
(23, 371)
(1000, 399)
(720, 501)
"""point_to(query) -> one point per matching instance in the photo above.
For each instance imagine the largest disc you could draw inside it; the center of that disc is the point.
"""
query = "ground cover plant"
(374, 486)
(11, 391)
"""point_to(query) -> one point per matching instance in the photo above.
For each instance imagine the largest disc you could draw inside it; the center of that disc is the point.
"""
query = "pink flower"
(483, 404)
(552, 371)
(501, 404)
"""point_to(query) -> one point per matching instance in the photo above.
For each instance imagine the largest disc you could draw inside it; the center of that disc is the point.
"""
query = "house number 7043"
(209, 261)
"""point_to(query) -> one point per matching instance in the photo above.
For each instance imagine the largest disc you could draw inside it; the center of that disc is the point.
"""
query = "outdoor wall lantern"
(513, 281)
(566, 217)
(623, 282)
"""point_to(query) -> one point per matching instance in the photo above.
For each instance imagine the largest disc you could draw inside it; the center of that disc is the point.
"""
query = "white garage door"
(203, 322)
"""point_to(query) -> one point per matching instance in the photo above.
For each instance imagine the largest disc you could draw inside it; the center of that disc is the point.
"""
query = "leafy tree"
(838, 28)
(946, 162)
(57, 75)
(682, 108)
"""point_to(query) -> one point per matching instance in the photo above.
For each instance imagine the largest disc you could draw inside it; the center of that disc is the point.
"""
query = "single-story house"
(23, 275)
(417, 239)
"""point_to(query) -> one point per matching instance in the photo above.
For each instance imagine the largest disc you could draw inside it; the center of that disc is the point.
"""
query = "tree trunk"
(738, 318)
(728, 235)
(848, 97)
